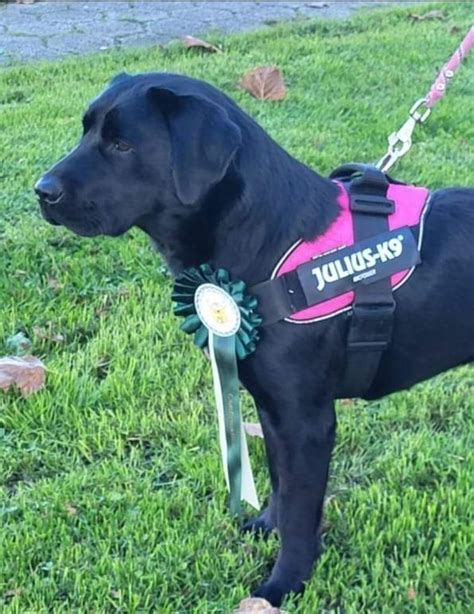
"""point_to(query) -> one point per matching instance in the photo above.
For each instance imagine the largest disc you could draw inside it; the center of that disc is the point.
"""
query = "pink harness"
(411, 204)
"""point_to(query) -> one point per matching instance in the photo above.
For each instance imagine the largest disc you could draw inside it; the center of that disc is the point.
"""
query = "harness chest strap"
(371, 323)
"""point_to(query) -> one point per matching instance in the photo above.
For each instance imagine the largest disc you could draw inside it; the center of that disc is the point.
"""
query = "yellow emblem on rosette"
(217, 310)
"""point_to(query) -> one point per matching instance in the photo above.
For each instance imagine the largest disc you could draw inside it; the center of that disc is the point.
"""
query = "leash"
(399, 143)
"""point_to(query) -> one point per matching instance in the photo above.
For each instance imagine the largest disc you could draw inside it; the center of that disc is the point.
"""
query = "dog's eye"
(121, 146)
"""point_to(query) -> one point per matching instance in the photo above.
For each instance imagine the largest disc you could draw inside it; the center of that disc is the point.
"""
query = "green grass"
(111, 492)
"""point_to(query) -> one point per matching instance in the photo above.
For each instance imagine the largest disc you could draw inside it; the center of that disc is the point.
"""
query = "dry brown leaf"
(248, 549)
(411, 593)
(54, 283)
(265, 83)
(191, 41)
(256, 604)
(47, 333)
(26, 373)
(71, 509)
(346, 402)
(134, 438)
(12, 592)
(429, 15)
(254, 429)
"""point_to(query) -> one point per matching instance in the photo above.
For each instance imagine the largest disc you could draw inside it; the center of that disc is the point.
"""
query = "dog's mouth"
(47, 215)
(85, 226)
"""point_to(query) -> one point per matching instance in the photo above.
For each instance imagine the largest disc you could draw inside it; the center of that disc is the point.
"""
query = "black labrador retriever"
(180, 160)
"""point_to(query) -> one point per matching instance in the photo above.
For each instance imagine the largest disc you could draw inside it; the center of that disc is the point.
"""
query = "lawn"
(112, 497)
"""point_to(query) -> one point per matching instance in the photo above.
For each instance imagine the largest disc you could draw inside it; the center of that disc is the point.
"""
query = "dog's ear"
(120, 78)
(204, 141)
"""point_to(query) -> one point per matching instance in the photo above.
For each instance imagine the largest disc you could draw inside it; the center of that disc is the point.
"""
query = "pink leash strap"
(447, 72)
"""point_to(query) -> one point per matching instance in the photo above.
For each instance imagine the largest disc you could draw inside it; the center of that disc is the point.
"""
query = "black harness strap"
(279, 297)
(371, 322)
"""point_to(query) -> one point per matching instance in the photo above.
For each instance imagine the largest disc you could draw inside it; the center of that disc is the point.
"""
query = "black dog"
(181, 161)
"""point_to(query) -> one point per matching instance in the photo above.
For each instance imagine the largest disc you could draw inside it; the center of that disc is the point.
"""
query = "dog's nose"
(49, 189)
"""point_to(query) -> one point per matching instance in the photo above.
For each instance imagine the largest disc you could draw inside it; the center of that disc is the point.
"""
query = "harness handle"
(399, 143)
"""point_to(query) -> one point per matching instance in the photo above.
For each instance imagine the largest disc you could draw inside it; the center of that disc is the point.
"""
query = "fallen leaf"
(19, 344)
(102, 367)
(54, 283)
(317, 5)
(248, 549)
(12, 592)
(191, 41)
(429, 15)
(411, 593)
(346, 402)
(123, 292)
(134, 438)
(254, 429)
(71, 509)
(27, 373)
(46, 333)
(256, 604)
(265, 83)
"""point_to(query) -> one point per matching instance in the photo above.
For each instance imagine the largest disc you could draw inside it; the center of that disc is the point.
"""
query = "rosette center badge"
(217, 310)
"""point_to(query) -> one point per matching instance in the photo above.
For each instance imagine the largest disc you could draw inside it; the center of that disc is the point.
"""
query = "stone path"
(51, 30)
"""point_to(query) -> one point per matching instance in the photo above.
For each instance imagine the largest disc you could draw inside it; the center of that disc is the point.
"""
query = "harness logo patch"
(363, 263)
(357, 264)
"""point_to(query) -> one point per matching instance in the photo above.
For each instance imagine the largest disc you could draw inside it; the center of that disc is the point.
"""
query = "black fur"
(207, 184)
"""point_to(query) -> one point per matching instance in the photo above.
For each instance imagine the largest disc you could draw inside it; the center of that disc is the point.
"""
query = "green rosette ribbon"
(223, 318)
(183, 296)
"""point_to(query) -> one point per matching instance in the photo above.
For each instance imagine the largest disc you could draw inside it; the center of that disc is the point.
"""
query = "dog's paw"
(274, 592)
(270, 591)
(278, 586)
(260, 525)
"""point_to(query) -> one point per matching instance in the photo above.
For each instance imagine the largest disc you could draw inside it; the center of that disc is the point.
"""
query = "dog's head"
(151, 143)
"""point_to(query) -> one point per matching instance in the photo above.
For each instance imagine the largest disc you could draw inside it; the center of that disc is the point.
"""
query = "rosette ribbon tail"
(222, 317)
(235, 456)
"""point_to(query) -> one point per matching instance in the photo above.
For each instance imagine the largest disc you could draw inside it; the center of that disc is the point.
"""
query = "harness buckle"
(371, 203)
(371, 328)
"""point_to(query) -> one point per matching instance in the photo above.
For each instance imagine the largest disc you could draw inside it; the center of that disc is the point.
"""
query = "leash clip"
(399, 142)
(420, 118)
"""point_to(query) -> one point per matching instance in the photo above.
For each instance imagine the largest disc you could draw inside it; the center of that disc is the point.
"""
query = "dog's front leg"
(305, 440)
